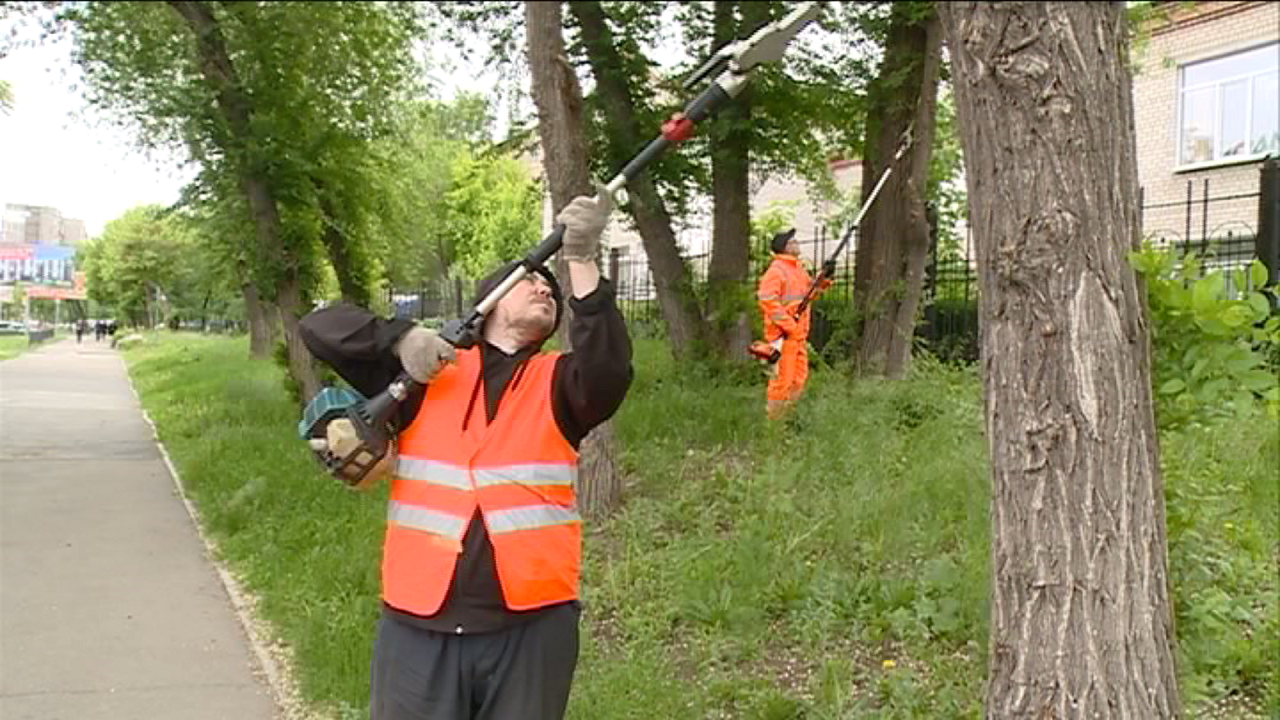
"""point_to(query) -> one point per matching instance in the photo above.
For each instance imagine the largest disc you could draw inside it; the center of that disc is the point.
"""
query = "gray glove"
(584, 220)
(422, 353)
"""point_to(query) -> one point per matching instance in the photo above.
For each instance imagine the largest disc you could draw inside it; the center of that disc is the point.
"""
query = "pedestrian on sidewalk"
(482, 549)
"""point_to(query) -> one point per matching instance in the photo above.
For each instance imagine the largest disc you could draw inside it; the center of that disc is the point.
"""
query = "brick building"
(1207, 113)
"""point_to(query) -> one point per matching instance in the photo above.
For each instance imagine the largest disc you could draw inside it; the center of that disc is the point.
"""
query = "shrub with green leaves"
(1210, 347)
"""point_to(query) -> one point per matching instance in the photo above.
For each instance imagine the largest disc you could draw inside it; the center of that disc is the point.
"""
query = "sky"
(50, 154)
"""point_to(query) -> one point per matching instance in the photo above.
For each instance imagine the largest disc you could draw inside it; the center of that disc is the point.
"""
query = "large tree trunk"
(346, 264)
(289, 296)
(204, 311)
(729, 298)
(1081, 624)
(220, 74)
(893, 242)
(564, 156)
(301, 364)
(671, 277)
(261, 327)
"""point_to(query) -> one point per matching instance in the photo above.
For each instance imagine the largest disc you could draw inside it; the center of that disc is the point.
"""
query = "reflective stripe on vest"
(436, 473)
(530, 517)
(518, 470)
(533, 474)
(426, 520)
(783, 298)
(795, 283)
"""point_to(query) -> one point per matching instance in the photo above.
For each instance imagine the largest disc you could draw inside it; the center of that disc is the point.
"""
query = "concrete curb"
(283, 691)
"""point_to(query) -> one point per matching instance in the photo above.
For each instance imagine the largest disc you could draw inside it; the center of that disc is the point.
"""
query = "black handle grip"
(650, 153)
(462, 332)
(546, 248)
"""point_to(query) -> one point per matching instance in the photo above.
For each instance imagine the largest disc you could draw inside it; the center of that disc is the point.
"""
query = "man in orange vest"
(482, 548)
(780, 291)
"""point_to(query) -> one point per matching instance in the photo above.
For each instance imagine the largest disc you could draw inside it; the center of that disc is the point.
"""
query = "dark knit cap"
(779, 242)
(491, 281)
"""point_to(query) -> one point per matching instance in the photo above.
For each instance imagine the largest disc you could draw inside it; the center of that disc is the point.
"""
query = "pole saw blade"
(770, 42)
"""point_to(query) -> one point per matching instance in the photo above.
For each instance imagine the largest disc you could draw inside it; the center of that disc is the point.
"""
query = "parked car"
(12, 327)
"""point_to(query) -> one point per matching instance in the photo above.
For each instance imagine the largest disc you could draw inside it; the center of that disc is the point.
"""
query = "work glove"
(423, 353)
(829, 268)
(584, 220)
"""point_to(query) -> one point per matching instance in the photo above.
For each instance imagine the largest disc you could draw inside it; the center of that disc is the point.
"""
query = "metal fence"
(949, 324)
(432, 302)
(1223, 228)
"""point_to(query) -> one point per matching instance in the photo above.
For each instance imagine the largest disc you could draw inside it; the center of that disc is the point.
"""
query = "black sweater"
(588, 387)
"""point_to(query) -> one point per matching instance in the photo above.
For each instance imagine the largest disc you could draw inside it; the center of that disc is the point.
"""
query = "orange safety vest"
(520, 470)
(780, 291)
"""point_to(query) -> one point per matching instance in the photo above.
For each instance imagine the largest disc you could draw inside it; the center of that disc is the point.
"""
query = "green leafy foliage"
(417, 168)
(145, 267)
(1211, 341)
(1223, 513)
(946, 194)
(493, 211)
(313, 107)
(764, 225)
(818, 88)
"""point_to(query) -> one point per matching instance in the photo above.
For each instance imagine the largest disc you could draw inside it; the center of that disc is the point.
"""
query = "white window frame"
(1218, 160)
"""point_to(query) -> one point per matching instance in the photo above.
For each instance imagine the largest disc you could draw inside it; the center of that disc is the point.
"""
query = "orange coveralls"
(781, 289)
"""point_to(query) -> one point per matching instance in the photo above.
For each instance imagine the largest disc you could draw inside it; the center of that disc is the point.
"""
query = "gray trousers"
(521, 673)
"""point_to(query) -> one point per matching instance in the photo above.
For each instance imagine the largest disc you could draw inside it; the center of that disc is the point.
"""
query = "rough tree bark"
(671, 278)
(730, 142)
(351, 282)
(1081, 624)
(261, 329)
(220, 74)
(893, 241)
(564, 157)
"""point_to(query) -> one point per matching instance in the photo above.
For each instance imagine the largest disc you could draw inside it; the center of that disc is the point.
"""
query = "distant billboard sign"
(54, 293)
(52, 265)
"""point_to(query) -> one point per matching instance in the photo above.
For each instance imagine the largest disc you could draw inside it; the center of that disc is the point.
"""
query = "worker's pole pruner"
(733, 63)
(770, 352)
(731, 67)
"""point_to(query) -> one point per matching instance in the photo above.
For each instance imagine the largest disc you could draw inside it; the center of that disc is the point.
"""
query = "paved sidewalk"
(109, 607)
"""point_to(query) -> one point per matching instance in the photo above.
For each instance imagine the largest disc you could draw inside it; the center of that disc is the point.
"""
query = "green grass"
(12, 346)
(832, 568)
(304, 545)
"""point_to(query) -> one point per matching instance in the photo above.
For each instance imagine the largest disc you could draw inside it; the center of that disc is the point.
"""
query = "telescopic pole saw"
(731, 67)
(770, 352)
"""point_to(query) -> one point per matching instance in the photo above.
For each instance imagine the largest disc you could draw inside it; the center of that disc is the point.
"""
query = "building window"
(1230, 107)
